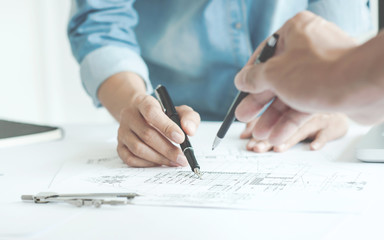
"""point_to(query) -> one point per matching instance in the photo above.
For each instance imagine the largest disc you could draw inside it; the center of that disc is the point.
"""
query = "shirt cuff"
(104, 62)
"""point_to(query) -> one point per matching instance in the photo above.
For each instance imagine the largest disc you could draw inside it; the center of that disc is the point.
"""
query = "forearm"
(119, 90)
(360, 73)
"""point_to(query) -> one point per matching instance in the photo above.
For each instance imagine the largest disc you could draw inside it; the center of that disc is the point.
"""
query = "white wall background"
(39, 78)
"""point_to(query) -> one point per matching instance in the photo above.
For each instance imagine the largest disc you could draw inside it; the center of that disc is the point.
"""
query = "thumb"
(250, 79)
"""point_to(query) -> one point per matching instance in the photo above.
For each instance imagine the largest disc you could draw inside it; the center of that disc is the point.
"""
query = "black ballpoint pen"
(267, 52)
(170, 110)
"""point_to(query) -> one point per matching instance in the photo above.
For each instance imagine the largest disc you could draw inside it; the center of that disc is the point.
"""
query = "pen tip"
(216, 142)
(198, 173)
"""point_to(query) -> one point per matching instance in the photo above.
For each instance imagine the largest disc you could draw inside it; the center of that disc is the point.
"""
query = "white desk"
(28, 169)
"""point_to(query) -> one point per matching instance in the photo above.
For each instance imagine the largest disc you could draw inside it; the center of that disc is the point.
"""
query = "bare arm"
(361, 71)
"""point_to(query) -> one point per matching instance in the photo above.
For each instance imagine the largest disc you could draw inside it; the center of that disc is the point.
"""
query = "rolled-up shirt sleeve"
(103, 41)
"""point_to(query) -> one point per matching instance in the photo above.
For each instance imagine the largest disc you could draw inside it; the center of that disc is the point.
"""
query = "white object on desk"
(370, 148)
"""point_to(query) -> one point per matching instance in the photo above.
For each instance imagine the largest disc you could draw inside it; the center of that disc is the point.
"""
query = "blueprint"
(297, 180)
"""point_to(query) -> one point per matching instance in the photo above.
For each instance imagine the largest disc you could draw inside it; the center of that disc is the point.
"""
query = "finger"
(131, 160)
(250, 79)
(189, 119)
(336, 127)
(141, 150)
(259, 146)
(141, 131)
(320, 140)
(287, 125)
(268, 119)
(245, 80)
(154, 115)
(251, 105)
(247, 133)
(308, 130)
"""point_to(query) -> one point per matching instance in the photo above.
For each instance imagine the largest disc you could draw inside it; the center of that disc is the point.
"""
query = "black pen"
(267, 52)
(170, 110)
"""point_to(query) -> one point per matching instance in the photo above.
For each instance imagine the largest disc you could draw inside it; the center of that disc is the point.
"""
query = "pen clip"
(166, 103)
(159, 99)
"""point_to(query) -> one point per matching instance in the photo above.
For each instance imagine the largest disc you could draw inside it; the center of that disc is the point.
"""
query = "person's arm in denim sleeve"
(352, 16)
(103, 41)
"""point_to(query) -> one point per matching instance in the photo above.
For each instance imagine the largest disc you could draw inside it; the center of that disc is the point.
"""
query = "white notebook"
(18, 133)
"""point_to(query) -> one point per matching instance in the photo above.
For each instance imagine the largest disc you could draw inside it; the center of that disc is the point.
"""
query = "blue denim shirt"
(193, 47)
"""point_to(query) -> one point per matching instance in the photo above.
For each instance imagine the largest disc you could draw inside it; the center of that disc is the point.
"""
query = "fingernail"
(282, 147)
(315, 145)
(256, 137)
(251, 144)
(261, 146)
(177, 137)
(191, 126)
(182, 160)
(173, 164)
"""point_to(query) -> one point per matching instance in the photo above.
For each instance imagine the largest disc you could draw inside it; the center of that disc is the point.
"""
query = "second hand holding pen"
(167, 104)
(267, 52)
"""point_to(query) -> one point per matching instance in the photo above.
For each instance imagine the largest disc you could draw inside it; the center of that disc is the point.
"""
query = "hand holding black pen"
(170, 110)
(267, 52)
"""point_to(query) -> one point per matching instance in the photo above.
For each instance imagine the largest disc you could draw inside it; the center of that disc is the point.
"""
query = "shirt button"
(238, 25)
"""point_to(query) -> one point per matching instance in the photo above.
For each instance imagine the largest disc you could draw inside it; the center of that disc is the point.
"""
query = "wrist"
(361, 74)
(120, 91)
(340, 80)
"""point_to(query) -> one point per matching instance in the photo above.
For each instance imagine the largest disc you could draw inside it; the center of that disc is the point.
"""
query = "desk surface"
(28, 169)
